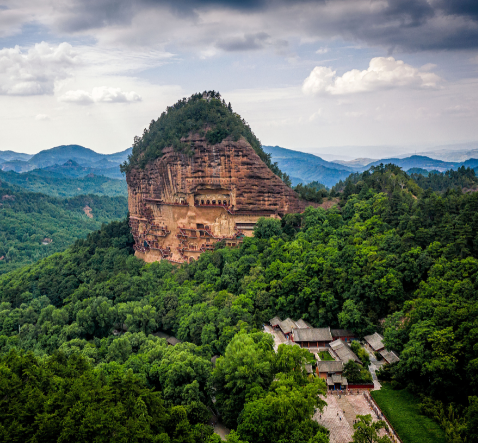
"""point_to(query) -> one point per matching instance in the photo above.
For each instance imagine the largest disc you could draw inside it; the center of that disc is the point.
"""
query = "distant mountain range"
(356, 162)
(65, 171)
(458, 152)
(305, 168)
(68, 160)
(416, 161)
(77, 162)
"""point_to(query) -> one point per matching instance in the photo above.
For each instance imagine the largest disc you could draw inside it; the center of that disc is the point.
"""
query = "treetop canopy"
(203, 113)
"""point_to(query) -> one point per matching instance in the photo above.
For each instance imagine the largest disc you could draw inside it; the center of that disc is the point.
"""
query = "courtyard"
(341, 411)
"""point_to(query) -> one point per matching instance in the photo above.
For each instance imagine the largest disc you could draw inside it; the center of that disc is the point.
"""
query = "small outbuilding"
(326, 368)
(331, 372)
(286, 327)
(375, 341)
(288, 324)
(343, 334)
(275, 322)
(389, 356)
(344, 351)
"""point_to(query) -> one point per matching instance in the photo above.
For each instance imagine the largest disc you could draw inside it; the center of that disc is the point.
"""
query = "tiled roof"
(330, 366)
(389, 356)
(342, 333)
(287, 325)
(336, 378)
(375, 341)
(344, 351)
(302, 324)
(312, 334)
(275, 321)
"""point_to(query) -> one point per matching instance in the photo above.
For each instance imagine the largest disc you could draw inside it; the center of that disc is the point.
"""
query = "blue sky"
(342, 78)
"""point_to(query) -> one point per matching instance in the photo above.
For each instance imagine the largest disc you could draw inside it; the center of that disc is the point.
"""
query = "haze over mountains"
(68, 163)
(98, 164)
(65, 171)
(304, 167)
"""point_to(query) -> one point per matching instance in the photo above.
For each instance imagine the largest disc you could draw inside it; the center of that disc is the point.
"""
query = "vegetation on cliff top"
(202, 113)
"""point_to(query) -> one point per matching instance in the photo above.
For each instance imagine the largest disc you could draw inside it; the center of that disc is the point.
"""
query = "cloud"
(382, 73)
(36, 71)
(80, 97)
(395, 24)
(42, 117)
(322, 51)
(101, 94)
(244, 43)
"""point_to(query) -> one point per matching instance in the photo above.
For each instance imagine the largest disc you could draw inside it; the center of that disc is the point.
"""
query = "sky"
(342, 78)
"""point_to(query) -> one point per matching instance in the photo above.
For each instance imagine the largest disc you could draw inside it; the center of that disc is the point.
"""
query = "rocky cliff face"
(180, 205)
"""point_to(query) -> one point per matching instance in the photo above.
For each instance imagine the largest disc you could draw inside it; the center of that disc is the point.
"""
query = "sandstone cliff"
(181, 204)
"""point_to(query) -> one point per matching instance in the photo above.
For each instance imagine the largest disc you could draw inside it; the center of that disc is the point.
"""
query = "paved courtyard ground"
(339, 415)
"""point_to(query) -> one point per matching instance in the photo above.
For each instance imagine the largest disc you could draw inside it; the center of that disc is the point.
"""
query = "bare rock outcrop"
(181, 205)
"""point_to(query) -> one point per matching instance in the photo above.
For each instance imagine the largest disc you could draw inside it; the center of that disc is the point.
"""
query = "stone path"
(221, 430)
(278, 336)
(374, 366)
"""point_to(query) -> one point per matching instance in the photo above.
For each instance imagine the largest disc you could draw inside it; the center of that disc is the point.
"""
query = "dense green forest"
(461, 180)
(313, 191)
(392, 257)
(202, 113)
(57, 185)
(27, 219)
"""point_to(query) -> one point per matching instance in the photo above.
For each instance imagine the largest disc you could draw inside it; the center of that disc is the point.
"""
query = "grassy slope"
(401, 408)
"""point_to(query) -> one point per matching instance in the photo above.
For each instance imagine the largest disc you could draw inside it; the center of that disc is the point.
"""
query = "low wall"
(361, 386)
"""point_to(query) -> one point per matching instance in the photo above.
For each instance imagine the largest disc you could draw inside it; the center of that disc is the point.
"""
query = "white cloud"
(382, 73)
(42, 117)
(322, 51)
(114, 95)
(100, 94)
(79, 96)
(36, 71)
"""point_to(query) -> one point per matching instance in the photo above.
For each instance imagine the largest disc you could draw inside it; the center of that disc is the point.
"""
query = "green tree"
(283, 412)
(245, 366)
(267, 227)
(367, 431)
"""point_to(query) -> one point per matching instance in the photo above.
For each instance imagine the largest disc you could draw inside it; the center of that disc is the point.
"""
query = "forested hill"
(202, 113)
(57, 184)
(391, 257)
(34, 225)
(462, 180)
